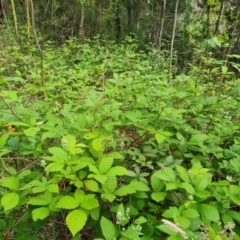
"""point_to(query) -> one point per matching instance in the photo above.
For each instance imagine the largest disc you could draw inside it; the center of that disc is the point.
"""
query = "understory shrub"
(114, 150)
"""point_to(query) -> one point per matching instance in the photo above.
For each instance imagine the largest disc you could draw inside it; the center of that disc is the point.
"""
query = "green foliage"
(117, 150)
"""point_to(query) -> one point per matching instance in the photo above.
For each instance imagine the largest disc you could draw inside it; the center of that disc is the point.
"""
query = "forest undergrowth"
(97, 142)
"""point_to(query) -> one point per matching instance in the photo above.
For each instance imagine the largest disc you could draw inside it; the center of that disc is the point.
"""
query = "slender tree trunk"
(28, 20)
(15, 21)
(219, 17)
(130, 15)
(172, 41)
(81, 25)
(162, 23)
(39, 48)
(117, 20)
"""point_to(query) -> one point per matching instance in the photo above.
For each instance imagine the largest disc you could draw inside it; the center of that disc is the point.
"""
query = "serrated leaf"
(187, 186)
(159, 137)
(97, 145)
(32, 131)
(201, 183)
(90, 135)
(124, 190)
(76, 220)
(69, 143)
(156, 183)
(139, 186)
(40, 213)
(198, 138)
(158, 196)
(39, 189)
(58, 154)
(235, 199)
(182, 222)
(67, 202)
(110, 185)
(209, 212)
(42, 199)
(3, 139)
(140, 220)
(131, 233)
(190, 213)
(101, 178)
(183, 173)
(108, 196)
(105, 164)
(9, 201)
(117, 171)
(89, 202)
(54, 167)
(10, 182)
(53, 188)
(167, 175)
(91, 185)
(171, 186)
(108, 229)
(171, 212)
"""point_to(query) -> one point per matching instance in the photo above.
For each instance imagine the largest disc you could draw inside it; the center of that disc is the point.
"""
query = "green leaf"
(91, 185)
(140, 220)
(32, 131)
(131, 233)
(108, 229)
(171, 212)
(9, 201)
(15, 79)
(39, 189)
(198, 138)
(89, 202)
(110, 185)
(67, 202)
(167, 175)
(209, 212)
(3, 224)
(40, 213)
(183, 174)
(171, 186)
(182, 222)
(58, 154)
(10, 182)
(69, 143)
(190, 213)
(117, 171)
(234, 190)
(124, 190)
(187, 186)
(158, 196)
(76, 220)
(156, 183)
(203, 194)
(3, 139)
(235, 215)
(101, 178)
(235, 199)
(105, 164)
(108, 196)
(139, 186)
(159, 137)
(90, 135)
(42, 199)
(201, 183)
(53, 188)
(54, 167)
(97, 145)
